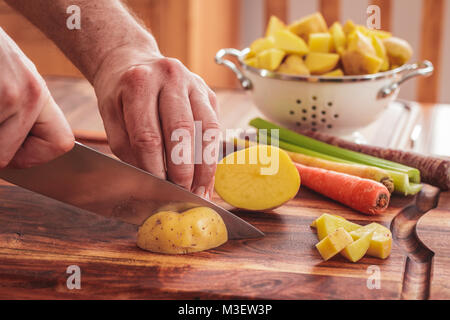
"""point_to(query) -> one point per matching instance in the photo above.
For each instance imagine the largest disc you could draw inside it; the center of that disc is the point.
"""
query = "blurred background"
(194, 30)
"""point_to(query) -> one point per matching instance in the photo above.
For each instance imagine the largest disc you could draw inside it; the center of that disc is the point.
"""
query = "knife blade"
(93, 181)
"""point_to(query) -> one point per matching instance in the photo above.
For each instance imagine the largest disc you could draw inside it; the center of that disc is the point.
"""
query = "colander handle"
(220, 59)
(424, 68)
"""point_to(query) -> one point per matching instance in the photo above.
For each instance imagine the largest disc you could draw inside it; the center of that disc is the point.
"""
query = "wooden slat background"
(430, 49)
(193, 30)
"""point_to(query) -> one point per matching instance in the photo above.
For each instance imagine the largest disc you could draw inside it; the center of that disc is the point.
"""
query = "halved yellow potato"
(270, 59)
(320, 42)
(257, 178)
(294, 65)
(289, 42)
(194, 230)
(310, 24)
(319, 63)
(381, 242)
(274, 25)
(358, 248)
(333, 243)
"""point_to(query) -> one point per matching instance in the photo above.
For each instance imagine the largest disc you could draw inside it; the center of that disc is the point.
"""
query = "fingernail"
(200, 191)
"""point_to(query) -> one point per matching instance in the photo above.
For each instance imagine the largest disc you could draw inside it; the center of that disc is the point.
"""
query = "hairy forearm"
(106, 25)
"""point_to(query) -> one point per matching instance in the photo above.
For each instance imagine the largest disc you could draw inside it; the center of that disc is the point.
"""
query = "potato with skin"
(258, 178)
(398, 50)
(194, 230)
(357, 63)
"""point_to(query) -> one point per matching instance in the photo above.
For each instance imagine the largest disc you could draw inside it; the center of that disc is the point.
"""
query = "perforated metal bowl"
(332, 104)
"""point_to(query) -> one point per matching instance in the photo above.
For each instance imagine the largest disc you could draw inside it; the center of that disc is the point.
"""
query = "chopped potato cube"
(338, 35)
(334, 73)
(381, 242)
(274, 25)
(398, 50)
(270, 59)
(260, 45)
(334, 243)
(320, 42)
(309, 24)
(358, 248)
(319, 63)
(294, 65)
(327, 224)
(290, 43)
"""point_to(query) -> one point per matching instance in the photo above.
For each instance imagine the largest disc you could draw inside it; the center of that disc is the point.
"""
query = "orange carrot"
(364, 195)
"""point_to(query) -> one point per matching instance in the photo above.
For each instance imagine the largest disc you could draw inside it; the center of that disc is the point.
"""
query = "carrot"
(433, 170)
(364, 195)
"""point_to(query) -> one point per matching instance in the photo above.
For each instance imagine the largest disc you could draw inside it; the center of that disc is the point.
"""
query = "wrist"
(123, 56)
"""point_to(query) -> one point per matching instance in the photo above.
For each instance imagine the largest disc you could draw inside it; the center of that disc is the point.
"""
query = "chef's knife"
(101, 184)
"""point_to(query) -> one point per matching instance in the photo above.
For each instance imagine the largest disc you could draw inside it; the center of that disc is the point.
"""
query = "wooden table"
(40, 238)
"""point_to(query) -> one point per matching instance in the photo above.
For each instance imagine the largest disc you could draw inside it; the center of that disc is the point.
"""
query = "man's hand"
(143, 99)
(143, 96)
(33, 129)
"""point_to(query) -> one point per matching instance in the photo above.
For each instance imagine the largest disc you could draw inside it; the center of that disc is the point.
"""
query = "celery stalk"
(325, 148)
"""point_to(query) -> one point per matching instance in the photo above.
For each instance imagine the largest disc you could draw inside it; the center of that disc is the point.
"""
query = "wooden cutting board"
(40, 238)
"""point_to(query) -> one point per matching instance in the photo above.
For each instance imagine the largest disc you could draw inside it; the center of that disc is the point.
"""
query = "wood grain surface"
(41, 237)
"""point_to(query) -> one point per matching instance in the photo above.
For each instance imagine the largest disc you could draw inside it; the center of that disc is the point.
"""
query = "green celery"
(402, 183)
(325, 148)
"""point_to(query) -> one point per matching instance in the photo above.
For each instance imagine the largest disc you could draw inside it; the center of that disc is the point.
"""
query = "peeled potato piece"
(309, 24)
(270, 59)
(274, 25)
(358, 248)
(194, 230)
(257, 178)
(293, 64)
(319, 63)
(289, 42)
